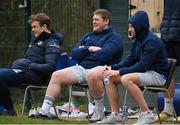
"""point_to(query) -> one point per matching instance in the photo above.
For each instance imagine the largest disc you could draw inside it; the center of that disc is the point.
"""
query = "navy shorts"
(173, 51)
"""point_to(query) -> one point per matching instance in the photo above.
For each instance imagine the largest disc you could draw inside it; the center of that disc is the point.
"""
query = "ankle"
(115, 113)
(47, 104)
(167, 106)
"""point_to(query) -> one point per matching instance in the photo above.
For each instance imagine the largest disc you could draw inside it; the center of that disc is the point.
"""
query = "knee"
(125, 80)
(94, 75)
(56, 76)
(91, 76)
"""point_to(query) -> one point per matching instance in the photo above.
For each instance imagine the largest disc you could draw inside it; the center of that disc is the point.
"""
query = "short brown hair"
(104, 13)
(42, 18)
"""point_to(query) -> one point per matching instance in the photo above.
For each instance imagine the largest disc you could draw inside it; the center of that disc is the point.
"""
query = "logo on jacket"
(54, 45)
(30, 45)
(39, 43)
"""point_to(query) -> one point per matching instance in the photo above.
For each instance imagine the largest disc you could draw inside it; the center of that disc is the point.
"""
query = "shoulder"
(153, 40)
(56, 37)
(113, 35)
(86, 35)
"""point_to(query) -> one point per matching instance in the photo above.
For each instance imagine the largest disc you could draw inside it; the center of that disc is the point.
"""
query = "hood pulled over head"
(140, 22)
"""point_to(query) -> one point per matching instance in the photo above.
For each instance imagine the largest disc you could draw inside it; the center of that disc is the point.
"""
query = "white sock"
(99, 102)
(47, 104)
(167, 106)
(147, 112)
(112, 113)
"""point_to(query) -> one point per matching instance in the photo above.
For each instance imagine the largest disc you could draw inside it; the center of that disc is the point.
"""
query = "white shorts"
(80, 73)
(151, 78)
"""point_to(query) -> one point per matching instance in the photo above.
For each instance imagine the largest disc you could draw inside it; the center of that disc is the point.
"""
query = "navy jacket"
(111, 48)
(170, 26)
(41, 56)
(147, 50)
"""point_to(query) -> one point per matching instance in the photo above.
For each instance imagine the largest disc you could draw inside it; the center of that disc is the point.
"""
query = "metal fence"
(70, 17)
(11, 29)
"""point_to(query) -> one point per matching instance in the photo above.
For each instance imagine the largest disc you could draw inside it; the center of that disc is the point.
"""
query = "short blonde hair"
(42, 18)
(104, 13)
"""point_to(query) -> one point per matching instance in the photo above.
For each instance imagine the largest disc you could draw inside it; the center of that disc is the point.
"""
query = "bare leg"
(167, 105)
(113, 94)
(95, 82)
(171, 88)
(59, 78)
(131, 83)
(94, 79)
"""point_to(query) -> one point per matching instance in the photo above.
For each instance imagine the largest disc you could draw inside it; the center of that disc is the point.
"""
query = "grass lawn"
(27, 120)
(38, 102)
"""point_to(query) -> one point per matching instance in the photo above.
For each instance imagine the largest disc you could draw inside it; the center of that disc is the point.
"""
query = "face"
(98, 23)
(131, 31)
(37, 29)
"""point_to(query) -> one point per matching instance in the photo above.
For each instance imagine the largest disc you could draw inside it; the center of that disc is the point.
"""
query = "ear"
(107, 21)
(44, 26)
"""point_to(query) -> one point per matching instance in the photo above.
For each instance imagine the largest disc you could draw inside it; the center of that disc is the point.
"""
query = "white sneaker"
(111, 119)
(39, 113)
(98, 115)
(145, 118)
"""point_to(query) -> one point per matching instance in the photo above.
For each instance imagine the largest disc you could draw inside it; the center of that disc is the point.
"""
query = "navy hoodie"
(147, 50)
(110, 53)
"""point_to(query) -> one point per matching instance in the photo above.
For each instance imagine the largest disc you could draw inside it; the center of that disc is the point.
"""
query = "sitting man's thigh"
(134, 77)
(151, 78)
(96, 71)
(80, 73)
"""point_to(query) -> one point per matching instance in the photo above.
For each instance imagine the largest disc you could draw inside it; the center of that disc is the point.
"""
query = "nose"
(129, 29)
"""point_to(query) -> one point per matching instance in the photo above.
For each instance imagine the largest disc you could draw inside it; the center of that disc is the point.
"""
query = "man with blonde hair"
(36, 65)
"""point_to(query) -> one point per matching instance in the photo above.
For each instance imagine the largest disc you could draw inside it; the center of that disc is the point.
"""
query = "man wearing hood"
(146, 64)
(36, 65)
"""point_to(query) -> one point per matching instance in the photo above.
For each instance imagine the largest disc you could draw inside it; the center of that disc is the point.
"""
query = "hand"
(110, 73)
(94, 48)
(107, 67)
(21, 63)
(81, 46)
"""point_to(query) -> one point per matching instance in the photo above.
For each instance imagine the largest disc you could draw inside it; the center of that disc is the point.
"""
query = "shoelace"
(132, 112)
(108, 117)
(94, 113)
(141, 115)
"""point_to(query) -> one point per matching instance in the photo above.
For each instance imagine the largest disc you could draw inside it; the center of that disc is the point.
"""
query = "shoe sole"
(119, 123)
(162, 120)
(94, 121)
(43, 117)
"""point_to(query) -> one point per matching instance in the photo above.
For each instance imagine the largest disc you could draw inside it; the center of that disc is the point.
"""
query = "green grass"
(27, 120)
